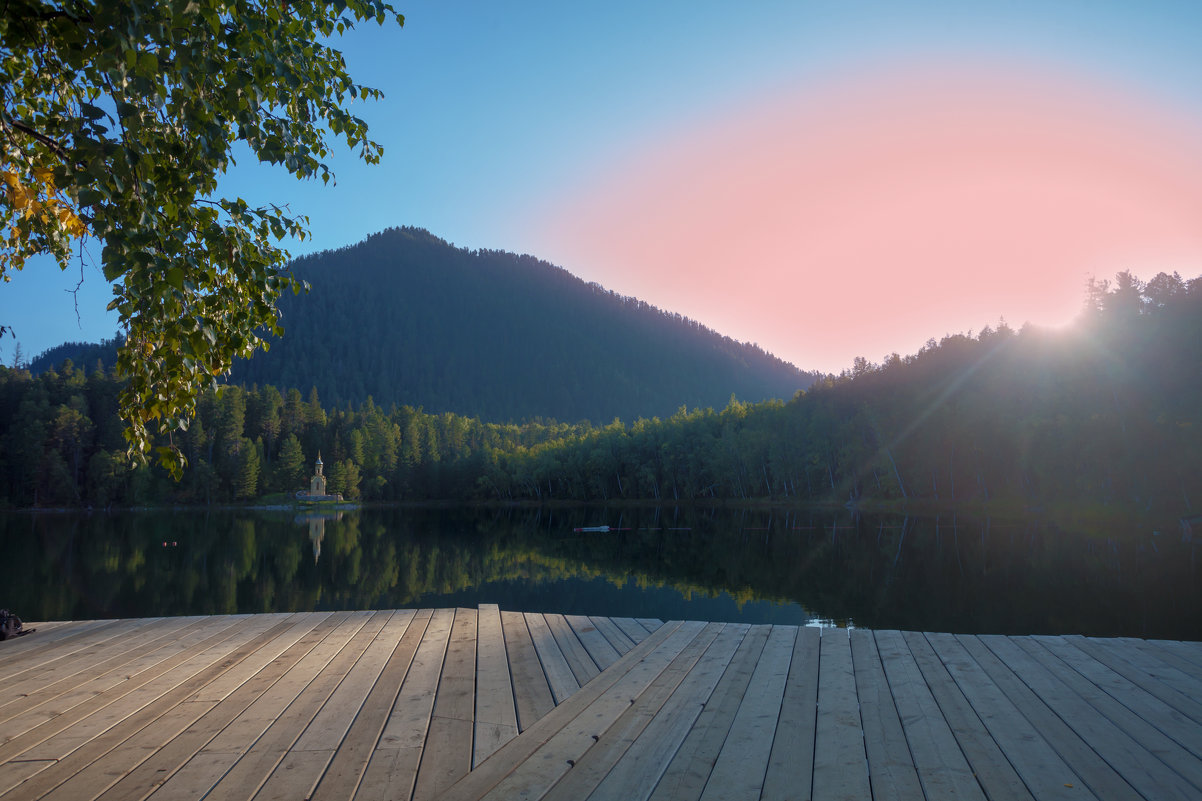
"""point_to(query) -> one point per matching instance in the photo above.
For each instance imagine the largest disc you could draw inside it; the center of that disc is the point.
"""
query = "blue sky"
(496, 115)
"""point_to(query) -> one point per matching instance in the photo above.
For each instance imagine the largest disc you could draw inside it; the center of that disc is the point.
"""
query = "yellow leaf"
(20, 197)
(45, 175)
(11, 179)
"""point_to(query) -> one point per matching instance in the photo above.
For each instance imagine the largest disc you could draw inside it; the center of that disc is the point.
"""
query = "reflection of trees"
(945, 574)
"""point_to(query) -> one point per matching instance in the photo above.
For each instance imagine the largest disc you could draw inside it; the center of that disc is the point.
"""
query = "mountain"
(84, 355)
(407, 318)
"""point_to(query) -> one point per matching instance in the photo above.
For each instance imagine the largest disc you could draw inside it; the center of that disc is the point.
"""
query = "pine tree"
(246, 480)
(290, 466)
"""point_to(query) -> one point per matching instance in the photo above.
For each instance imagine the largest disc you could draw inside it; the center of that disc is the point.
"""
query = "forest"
(1101, 418)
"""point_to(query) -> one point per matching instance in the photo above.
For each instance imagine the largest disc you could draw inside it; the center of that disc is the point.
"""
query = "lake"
(796, 566)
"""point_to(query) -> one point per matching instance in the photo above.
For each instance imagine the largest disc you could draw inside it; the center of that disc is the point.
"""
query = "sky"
(825, 179)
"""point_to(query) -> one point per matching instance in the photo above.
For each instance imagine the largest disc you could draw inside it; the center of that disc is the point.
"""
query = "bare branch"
(41, 137)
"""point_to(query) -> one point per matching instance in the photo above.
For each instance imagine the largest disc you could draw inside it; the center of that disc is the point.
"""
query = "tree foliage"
(118, 120)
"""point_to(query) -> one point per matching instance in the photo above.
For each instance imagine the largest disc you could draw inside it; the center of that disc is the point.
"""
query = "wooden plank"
(596, 763)
(555, 665)
(599, 650)
(16, 772)
(531, 692)
(791, 763)
(1123, 664)
(160, 698)
(652, 624)
(89, 713)
(129, 745)
(582, 665)
(31, 654)
(17, 655)
(1191, 651)
(103, 669)
(1147, 775)
(56, 728)
(636, 631)
(156, 742)
(840, 762)
(456, 685)
(519, 749)
(42, 675)
(1163, 651)
(689, 770)
(1091, 769)
(942, 767)
(998, 778)
(163, 764)
(245, 752)
(390, 774)
(406, 726)
(613, 635)
(640, 768)
(1184, 731)
(335, 718)
(496, 720)
(46, 625)
(445, 759)
(239, 734)
(1178, 673)
(739, 770)
(306, 760)
(891, 771)
(44, 716)
(534, 776)
(1042, 770)
(392, 769)
(1002, 701)
(171, 750)
(448, 752)
(342, 778)
(1141, 732)
(256, 766)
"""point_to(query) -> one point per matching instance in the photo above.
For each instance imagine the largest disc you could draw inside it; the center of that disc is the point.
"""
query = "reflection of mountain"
(944, 575)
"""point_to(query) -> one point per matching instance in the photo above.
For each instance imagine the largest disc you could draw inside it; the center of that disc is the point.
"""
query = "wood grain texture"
(482, 703)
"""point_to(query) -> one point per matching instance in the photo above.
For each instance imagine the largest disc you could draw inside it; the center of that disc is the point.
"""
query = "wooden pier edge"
(462, 704)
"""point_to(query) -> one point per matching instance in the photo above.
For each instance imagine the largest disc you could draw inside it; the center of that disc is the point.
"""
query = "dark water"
(781, 566)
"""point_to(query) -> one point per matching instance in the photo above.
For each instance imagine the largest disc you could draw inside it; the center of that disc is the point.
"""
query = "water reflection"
(316, 521)
(945, 573)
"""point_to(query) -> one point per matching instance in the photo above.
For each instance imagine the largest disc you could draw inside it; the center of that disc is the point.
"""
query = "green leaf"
(114, 270)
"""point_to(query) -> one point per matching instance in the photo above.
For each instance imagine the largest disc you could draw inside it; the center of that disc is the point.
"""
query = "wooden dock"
(467, 704)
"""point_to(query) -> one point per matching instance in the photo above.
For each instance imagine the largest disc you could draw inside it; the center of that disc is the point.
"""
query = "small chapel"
(317, 486)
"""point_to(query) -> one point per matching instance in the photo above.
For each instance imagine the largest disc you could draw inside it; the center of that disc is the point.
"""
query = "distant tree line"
(1105, 413)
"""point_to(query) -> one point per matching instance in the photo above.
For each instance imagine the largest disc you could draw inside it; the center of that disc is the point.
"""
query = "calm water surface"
(950, 573)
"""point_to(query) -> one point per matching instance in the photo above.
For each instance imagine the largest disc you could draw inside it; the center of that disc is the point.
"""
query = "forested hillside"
(406, 318)
(104, 352)
(1103, 417)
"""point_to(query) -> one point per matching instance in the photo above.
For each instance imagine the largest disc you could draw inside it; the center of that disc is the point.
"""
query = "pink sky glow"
(867, 217)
